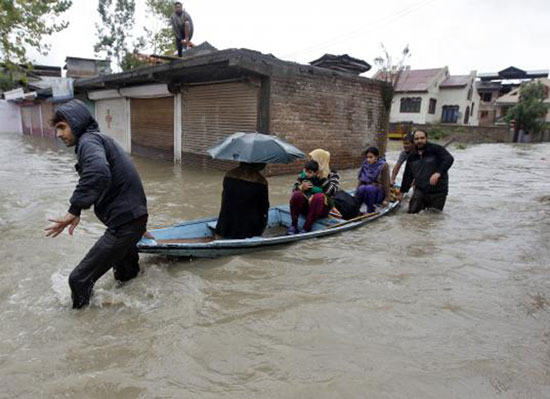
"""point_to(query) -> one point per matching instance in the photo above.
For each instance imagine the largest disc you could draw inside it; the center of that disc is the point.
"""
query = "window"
(431, 108)
(486, 97)
(449, 114)
(410, 104)
(470, 93)
(484, 114)
(472, 110)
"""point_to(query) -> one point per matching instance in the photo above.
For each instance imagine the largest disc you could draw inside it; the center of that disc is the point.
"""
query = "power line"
(361, 31)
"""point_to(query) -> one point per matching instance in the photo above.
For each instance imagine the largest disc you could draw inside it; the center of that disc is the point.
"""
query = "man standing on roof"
(110, 182)
(182, 25)
(428, 167)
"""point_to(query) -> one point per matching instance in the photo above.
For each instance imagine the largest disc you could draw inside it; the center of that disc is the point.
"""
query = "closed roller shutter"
(47, 115)
(36, 123)
(26, 113)
(152, 122)
(213, 112)
(112, 120)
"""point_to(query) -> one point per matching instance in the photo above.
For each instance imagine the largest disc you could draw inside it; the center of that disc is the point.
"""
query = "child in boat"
(312, 192)
(309, 176)
(373, 186)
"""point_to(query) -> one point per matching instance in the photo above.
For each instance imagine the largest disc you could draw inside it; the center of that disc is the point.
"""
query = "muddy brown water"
(451, 305)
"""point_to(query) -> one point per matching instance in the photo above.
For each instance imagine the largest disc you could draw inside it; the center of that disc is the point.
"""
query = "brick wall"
(339, 114)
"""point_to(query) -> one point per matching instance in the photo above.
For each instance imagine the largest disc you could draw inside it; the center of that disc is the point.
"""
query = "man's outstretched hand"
(59, 224)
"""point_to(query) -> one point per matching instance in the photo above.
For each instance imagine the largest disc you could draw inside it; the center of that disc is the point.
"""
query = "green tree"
(23, 25)
(114, 32)
(161, 39)
(530, 110)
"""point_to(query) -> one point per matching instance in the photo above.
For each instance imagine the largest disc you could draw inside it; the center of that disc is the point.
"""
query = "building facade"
(494, 85)
(178, 110)
(425, 96)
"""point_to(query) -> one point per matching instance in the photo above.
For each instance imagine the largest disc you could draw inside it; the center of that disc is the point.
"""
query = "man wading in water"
(110, 182)
(427, 167)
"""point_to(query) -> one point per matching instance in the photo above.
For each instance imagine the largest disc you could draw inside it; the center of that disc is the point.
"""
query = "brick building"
(176, 111)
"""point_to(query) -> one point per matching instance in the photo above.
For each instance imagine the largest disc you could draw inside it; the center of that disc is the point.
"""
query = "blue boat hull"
(196, 238)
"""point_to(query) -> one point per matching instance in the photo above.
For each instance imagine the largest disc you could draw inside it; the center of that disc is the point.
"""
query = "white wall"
(415, 117)
(459, 96)
(10, 117)
(423, 116)
(112, 117)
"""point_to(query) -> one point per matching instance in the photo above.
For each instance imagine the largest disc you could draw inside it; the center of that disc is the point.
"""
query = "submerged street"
(451, 305)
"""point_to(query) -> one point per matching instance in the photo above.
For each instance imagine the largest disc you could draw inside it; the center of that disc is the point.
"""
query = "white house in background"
(434, 96)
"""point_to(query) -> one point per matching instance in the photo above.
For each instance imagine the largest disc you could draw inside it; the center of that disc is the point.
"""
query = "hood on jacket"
(78, 117)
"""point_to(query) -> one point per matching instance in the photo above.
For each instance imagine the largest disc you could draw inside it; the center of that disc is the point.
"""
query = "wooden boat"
(196, 238)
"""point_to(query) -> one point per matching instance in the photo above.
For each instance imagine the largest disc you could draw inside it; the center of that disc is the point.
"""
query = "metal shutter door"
(26, 117)
(47, 115)
(152, 122)
(112, 120)
(213, 112)
(36, 123)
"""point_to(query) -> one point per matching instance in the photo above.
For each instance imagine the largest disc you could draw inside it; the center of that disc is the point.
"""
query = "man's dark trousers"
(180, 47)
(425, 200)
(116, 249)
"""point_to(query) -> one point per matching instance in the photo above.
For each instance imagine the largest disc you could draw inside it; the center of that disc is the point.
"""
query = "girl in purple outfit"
(374, 180)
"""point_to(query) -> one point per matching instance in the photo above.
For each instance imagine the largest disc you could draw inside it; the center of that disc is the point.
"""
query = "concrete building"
(492, 86)
(424, 96)
(86, 67)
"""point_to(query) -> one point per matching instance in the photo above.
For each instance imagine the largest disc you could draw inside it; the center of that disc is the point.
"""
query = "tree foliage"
(114, 32)
(160, 39)
(23, 24)
(530, 110)
(390, 71)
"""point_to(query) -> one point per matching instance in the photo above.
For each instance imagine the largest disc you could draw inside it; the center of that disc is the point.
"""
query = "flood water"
(451, 305)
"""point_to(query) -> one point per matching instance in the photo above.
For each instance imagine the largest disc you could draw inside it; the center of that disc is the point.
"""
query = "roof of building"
(342, 63)
(417, 80)
(85, 59)
(513, 73)
(456, 81)
(200, 66)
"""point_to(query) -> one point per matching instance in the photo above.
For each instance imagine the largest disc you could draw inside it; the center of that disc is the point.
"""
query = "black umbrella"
(255, 148)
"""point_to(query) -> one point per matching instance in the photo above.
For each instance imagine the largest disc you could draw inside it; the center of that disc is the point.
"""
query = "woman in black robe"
(245, 202)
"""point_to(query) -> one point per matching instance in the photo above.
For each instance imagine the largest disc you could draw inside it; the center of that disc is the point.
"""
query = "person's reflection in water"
(245, 202)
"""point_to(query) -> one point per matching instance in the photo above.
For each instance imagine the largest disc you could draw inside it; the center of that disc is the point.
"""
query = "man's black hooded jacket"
(420, 167)
(108, 179)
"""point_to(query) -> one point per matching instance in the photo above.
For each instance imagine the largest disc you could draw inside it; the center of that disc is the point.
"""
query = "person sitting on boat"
(374, 180)
(245, 202)
(317, 205)
(310, 176)
(408, 148)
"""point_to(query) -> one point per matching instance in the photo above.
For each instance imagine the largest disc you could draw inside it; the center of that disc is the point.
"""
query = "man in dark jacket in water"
(427, 166)
(110, 182)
